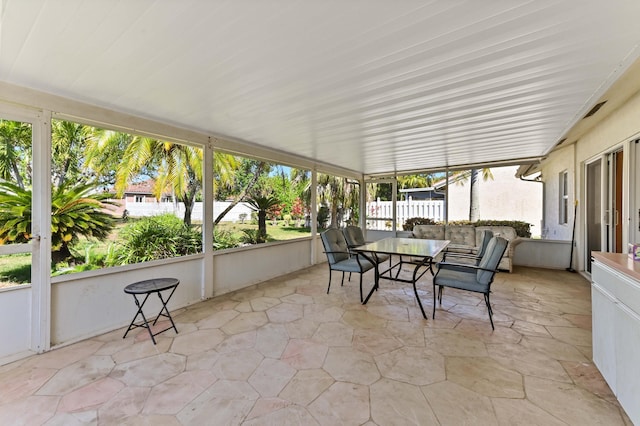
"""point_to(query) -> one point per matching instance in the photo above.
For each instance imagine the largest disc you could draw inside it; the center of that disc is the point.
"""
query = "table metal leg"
(145, 323)
(415, 280)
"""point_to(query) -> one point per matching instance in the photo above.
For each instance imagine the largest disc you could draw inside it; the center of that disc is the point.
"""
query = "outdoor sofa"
(467, 239)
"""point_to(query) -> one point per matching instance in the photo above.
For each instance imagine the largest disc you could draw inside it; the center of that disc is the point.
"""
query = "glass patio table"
(411, 251)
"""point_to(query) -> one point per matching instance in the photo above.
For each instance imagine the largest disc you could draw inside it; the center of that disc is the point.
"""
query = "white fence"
(137, 209)
(380, 213)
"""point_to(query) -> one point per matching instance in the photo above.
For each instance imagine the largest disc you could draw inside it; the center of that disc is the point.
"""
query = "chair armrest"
(458, 266)
(337, 252)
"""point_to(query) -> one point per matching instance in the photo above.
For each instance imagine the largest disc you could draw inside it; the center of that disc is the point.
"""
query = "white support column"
(362, 221)
(446, 196)
(207, 221)
(394, 206)
(41, 231)
(314, 215)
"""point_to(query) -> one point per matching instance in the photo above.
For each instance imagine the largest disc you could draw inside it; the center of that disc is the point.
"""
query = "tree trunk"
(262, 226)
(188, 200)
(61, 255)
(244, 192)
(474, 197)
(188, 210)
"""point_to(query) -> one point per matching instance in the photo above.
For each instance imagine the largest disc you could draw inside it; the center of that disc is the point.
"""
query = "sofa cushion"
(429, 232)
(506, 232)
(460, 236)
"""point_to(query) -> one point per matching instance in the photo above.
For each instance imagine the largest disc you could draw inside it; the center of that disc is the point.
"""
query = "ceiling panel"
(371, 86)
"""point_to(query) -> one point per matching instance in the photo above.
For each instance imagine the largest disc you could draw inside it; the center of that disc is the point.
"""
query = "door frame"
(39, 311)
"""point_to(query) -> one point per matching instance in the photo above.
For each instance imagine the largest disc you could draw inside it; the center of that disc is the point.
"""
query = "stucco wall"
(502, 198)
(560, 161)
(614, 132)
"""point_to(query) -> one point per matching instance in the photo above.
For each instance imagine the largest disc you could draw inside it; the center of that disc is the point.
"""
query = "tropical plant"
(156, 237)
(339, 194)
(69, 141)
(75, 211)
(323, 216)
(243, 183)
(262, 203)
(251, 236)
(176, 168)
(15, 152)
(224, 239)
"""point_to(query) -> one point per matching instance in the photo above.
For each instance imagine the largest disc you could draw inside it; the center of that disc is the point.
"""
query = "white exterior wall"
(613, 132)
(14, 323)
(561, 161)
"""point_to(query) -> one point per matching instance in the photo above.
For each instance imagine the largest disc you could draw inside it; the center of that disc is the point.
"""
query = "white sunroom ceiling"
(370, 86)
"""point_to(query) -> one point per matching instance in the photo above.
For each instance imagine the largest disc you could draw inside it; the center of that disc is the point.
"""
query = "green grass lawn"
(15, 269)
(278, 232)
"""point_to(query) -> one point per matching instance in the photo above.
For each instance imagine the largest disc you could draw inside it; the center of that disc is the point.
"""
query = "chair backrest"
(354, 236)
(485, 237)
(333, 241)
(491, 259)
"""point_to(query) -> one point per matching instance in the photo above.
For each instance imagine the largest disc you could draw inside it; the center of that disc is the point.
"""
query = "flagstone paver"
(286, 352)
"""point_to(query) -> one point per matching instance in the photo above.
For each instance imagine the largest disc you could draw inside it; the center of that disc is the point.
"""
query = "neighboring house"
(142, 192)
(597, 166)
(139, 201)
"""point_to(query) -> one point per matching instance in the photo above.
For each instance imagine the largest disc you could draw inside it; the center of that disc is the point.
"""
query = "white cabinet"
(603, 335)
(616, 333)
(628, 361)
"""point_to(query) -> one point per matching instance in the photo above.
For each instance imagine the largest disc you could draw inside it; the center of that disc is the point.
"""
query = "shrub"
(251, 236)
(323, 216)
(156, 237)
(411, 222)
(76, 211)
(224, 239)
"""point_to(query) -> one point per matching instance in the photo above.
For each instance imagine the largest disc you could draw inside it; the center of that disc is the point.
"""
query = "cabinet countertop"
(620, 262)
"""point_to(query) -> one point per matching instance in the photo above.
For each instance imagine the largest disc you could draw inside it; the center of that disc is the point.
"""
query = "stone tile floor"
(285, 352)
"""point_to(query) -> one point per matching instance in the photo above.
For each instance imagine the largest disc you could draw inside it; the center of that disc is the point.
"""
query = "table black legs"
(424, 262)
(164, 312)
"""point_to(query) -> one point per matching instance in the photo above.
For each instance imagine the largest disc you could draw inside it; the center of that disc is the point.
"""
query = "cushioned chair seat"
(475, 278)
(341, 259)
(462, 280)
(352, 265)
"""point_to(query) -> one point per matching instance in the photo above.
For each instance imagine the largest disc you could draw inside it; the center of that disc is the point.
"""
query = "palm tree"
(68, 144)
(75, 211)
(262, 203)
(338, 193)
(474, 193)
(15, 152)
(176, 168)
